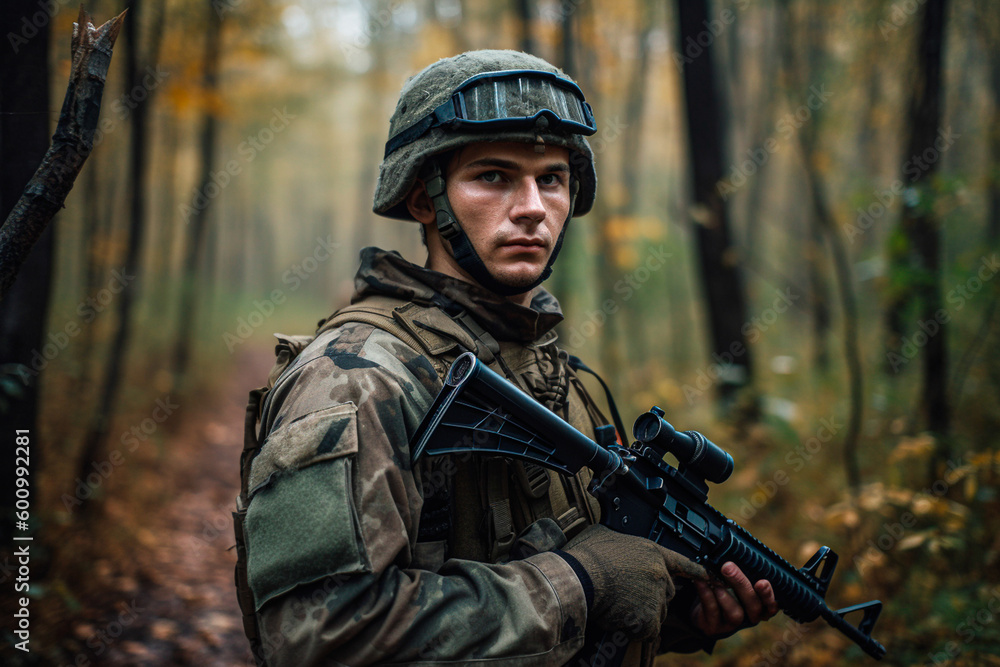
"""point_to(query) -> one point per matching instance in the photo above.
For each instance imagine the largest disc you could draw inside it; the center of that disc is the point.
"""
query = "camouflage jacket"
(345, 562)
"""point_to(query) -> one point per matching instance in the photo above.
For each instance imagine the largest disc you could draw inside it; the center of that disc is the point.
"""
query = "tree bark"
(719, 264)
(525, 10)
(71, 144)
(198, 220)
(800, 69)
(920, 226)
(107, 396)
(24, 138)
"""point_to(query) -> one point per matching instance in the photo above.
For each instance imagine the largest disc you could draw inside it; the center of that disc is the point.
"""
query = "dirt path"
(185, 612)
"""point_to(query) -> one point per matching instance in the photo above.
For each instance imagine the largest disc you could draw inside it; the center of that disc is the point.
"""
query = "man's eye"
(549, 179)
(490, 176)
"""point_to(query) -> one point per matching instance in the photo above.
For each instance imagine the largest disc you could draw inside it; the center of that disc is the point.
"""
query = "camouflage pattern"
(337, 572)
(432, 86)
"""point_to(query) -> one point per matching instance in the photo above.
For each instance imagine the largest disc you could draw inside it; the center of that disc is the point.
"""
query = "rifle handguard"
(639, 492)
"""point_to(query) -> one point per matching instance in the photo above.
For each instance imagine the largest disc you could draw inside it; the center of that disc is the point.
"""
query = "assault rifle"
(639, 493)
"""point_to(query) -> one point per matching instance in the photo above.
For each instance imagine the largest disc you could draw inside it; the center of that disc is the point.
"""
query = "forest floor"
(180, 606)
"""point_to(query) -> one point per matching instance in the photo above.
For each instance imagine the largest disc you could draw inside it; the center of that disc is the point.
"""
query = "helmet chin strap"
(461, 246)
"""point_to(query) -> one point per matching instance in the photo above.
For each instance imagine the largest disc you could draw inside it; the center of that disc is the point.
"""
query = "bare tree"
(524, 9)
(721, 277)
(74, 139)
(135, 71)
(919, 226)
(24, 129)
(26, 238)
(197, 219)
(799, 69)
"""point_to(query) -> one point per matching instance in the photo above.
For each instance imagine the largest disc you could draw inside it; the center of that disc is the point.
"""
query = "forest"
(793, 251)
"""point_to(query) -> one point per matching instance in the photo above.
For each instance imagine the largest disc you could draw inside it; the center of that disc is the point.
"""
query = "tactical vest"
(511, 495)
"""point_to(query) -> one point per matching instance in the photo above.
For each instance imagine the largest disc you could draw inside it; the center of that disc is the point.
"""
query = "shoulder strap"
(376, 310)
(577, 364)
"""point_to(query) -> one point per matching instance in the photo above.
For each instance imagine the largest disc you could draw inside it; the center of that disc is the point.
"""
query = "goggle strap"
(448, 114)
(443, 114)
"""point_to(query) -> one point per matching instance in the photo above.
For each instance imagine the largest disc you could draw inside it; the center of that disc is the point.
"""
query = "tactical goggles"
(508, 99)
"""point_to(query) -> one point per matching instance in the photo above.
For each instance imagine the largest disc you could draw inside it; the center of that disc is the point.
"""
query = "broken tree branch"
(71, 145)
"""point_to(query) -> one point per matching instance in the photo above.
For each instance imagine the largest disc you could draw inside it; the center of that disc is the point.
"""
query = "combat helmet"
(487, 95)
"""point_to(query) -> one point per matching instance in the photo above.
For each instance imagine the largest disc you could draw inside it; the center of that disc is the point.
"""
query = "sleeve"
(332, 523)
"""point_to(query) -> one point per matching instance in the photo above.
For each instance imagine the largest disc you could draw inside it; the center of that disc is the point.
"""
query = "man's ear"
(419, 204)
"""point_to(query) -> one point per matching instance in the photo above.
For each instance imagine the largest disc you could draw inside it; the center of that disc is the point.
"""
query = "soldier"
(351, 555)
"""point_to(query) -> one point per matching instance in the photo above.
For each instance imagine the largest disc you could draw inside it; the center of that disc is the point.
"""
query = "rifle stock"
(639, 493)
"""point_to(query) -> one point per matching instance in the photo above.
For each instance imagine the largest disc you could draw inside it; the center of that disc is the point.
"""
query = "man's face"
(512, 203)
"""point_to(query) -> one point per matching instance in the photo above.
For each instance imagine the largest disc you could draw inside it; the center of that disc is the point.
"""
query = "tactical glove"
(627, 579)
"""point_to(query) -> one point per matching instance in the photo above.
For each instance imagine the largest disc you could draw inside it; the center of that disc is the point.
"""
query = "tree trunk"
(524, 10)
(114, 369)
(24, 138)
(72, 142)
(567, 42)
(920, 227)
(197, 213)
(801, 68)
(719, 266)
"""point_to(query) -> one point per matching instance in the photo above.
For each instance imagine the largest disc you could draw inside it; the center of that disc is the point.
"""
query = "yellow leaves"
(619, 233)
(913, 541)
(842, 515)
(187, 96)
(919, 446)
(670, 392)
(872, 497)
(624, 257)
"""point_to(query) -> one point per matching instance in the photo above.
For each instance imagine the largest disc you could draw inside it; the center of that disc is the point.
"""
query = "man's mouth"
(525, 243)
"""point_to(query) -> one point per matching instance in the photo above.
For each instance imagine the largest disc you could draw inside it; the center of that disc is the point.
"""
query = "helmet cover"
(433, 86)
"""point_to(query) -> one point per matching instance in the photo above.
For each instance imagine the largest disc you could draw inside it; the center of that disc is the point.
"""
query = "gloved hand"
(629, 579)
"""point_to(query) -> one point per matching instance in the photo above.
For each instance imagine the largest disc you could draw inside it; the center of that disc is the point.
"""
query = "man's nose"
(528, 204)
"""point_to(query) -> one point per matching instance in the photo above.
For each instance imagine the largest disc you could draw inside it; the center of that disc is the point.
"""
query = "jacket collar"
(387, 273)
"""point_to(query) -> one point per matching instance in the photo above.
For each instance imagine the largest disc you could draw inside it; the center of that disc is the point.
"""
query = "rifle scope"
(693, 450)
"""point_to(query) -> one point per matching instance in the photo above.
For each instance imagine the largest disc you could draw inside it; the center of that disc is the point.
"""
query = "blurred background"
(793, 250)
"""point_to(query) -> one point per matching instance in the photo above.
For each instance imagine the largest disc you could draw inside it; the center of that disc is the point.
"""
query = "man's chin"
(519, 280)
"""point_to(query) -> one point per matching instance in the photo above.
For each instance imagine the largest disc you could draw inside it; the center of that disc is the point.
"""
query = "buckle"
(534, 479)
